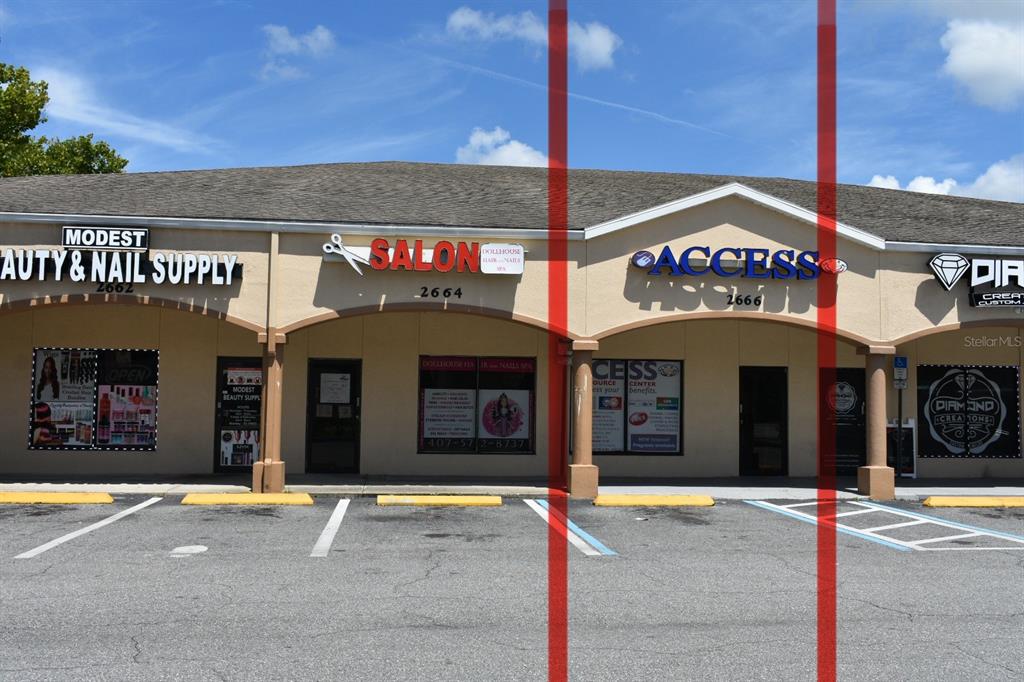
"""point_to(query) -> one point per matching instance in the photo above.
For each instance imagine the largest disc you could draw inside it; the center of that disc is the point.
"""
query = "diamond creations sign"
(1001, 281)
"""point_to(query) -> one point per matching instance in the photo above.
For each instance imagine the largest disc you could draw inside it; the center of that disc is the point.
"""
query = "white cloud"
(73, 98)
(886, 182)
(317, 43)
(592, 46)
(988, 58)
(1003, 181)
(929, 185)
(497, 148)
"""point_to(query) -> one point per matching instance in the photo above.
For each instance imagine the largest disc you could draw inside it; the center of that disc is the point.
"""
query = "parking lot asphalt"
(726, 593)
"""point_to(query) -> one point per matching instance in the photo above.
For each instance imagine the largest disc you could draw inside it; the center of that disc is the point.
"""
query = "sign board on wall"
(444, 256)
(698, 261)
(116, 256)
(994, 282)
(968, 411)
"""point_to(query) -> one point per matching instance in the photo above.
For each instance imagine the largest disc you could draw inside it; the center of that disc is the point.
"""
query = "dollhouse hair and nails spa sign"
(121, 256)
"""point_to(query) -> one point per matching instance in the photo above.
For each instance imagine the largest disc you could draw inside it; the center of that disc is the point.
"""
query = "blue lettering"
(757, 263)
(666, 260)
(684, 260)
(783, 264)
(716, 263)
(808, 260)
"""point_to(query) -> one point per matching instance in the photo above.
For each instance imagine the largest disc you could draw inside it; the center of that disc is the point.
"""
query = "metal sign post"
(899, 380)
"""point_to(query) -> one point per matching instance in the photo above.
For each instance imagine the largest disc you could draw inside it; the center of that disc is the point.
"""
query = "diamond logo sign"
(949, 268)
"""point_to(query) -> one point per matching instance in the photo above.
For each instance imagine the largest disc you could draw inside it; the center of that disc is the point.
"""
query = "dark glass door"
(332, 423)
(845, 411)
(764, 415)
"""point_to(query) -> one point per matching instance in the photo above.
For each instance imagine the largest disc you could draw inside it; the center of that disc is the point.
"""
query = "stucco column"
(268, 473)
(583, 475)
(877, 479)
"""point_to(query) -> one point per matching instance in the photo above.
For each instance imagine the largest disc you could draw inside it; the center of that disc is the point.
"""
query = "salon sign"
(443, 256)
(111, 255)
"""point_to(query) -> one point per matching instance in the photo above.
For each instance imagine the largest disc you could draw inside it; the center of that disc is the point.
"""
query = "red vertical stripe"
(827, 317)
(558, 323)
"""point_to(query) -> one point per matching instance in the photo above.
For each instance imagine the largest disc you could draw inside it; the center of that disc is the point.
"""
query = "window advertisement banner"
(654, 398)
(93, 399)
(609, 420)
(238, 411)
(505, 403)
(126, 402)
(968, 411)
(447, 404)
(63, 398)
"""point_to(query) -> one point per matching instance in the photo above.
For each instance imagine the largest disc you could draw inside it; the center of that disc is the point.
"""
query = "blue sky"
(931, 91)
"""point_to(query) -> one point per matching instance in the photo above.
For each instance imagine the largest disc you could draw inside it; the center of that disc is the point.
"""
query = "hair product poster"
(63, 398)
(126, 400)
(653, 406)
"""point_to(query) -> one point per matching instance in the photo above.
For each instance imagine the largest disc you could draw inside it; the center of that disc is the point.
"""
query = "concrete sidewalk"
(720, 489)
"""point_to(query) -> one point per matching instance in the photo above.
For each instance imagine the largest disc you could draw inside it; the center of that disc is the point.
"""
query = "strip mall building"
(390, 319)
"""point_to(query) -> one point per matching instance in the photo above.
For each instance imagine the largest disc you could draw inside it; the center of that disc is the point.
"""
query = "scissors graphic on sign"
(336, 247)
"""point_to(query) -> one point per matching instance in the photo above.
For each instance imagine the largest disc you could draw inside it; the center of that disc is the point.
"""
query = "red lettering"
(444, 256)
(468, 257)
(418, 252)
(379, 257)
(402, 259)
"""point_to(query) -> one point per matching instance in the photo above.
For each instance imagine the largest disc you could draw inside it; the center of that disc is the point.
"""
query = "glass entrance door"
(332, 422)
(764, 419)
(846, 413)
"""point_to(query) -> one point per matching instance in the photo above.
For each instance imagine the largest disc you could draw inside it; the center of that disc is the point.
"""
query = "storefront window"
(476, 405)
(637, 406)
(968, 411)
(93, 399)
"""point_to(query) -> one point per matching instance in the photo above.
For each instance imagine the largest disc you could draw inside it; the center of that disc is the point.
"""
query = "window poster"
(126, 402)
(336, 388)
(609, 411)
(238, 411)
(505, 405)
(968, 411)
(476, 405)
(447, 404)
(653, 403)
(93, 399)
(63, 398)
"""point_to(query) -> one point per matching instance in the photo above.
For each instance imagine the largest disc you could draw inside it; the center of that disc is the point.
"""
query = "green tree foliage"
(22, 101)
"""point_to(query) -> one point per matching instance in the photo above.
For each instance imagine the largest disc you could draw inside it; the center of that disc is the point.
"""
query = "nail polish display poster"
(240, 396)
(126, 404)
(63, 398)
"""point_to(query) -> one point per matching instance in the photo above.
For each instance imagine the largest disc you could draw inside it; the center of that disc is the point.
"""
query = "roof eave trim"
(980, 249)
(295, 227)
(733, 189)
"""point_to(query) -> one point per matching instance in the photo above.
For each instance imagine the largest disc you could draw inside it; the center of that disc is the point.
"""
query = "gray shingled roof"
(481, 196)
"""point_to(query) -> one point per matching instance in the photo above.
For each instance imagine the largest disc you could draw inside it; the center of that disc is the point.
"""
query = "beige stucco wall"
(189, 345)
(712, 352)
(390, 345)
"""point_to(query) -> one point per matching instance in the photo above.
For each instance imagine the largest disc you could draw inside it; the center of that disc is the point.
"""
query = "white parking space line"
(853, 513)
(943, 539)
(88, 529)
(905, 524)
(916, 519)
(560, 526)
(323, 543)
